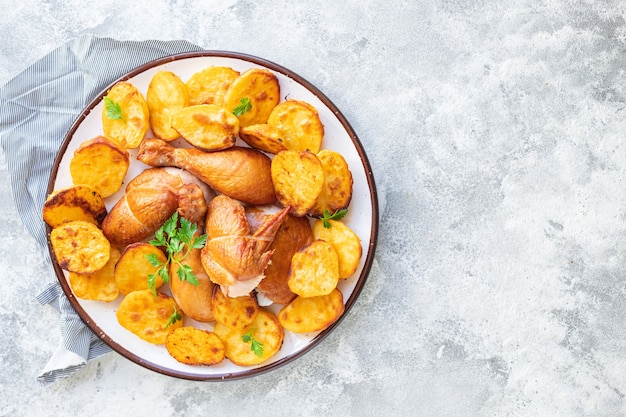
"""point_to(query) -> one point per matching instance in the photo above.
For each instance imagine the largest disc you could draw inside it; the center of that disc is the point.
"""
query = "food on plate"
(152, 318)
(80, 246)
(337, 190)
(298, 178)
(100, 163)
(255, 343)
(196, 301)
(252, 96)
(345, 241)
(314, 270)
(192, 346)
(232, 257)
(207, 126)
(166, 95)
(263, 137)
(133, 268)
(99, 285)
(209, 85)
(298, 125)
(79, 202)
(235, 312)
(240, 173)
(125, 116)
(312, 314)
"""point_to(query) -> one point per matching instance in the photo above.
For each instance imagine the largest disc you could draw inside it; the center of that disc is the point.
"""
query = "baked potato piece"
(207, 126)
(312, 314)
(79, 246)
(337, 190)
(255, 343)
(298, 124)
(99, 285)
(346, 243)
(79, 202)
(263, 137)
(260, 89)
(166, 95)
(133, 267)
(100, 163)
(125, 115)
(298, 178)
(148, 317)
(208, 86)
(314, 270)
(196, 301)
(235, 312)
(192, 346)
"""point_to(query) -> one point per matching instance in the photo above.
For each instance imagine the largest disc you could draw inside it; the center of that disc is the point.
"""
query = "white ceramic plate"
(362, 217)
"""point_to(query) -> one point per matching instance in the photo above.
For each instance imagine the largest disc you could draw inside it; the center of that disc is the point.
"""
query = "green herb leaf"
(153, 259)
(243, 107)
(255, 345)
(113, 110)
(174, 318)
(337, 215)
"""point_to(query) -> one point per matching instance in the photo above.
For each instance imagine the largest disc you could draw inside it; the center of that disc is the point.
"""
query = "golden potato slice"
(337, 191)
(166, 95)
(79, 246)
(346, 243)
(80, 202)
(261, 88)
(209, 85)
(314, 270)
(99, 285)
(133, 268)
(298, 124)
(125, 115)
(100, 163)
(263, 336)
(235, 312)
(192, 346)
(147, 316)
(263, 137)
(312, 314)
(196, 301)
(298, 178)
(207, 126)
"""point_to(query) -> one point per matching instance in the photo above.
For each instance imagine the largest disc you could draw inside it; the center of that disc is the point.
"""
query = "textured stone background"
(496, 134)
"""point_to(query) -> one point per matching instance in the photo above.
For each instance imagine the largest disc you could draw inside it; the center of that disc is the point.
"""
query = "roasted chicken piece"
(240, 173)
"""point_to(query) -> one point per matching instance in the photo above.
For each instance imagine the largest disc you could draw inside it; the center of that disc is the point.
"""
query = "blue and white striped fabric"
(37, 108)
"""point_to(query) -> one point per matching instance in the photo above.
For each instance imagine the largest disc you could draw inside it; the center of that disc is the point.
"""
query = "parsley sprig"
(337, 215)
(173, 318)
(113, 110)
(243, 107)
(178, 241)
(255, 345)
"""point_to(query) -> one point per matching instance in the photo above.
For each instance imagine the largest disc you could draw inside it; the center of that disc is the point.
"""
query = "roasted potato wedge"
(312, 314)
(337, 190)
(263, 137)
(80, 246)
(298, 178)
(261, 88)
(196, 301)
(207, 126)
(209, 85)
(235, 312)
(80, 202)
(100, 163)
(99, 285)
(133, 267)
(166, 95)
(192, 346)
(298, 124)
(125, 116)
(147, 316)
(346, 243)
(314, 270)
(239, 343)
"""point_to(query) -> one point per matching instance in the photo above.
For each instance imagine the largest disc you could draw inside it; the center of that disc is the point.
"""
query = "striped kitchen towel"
(37, 108)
